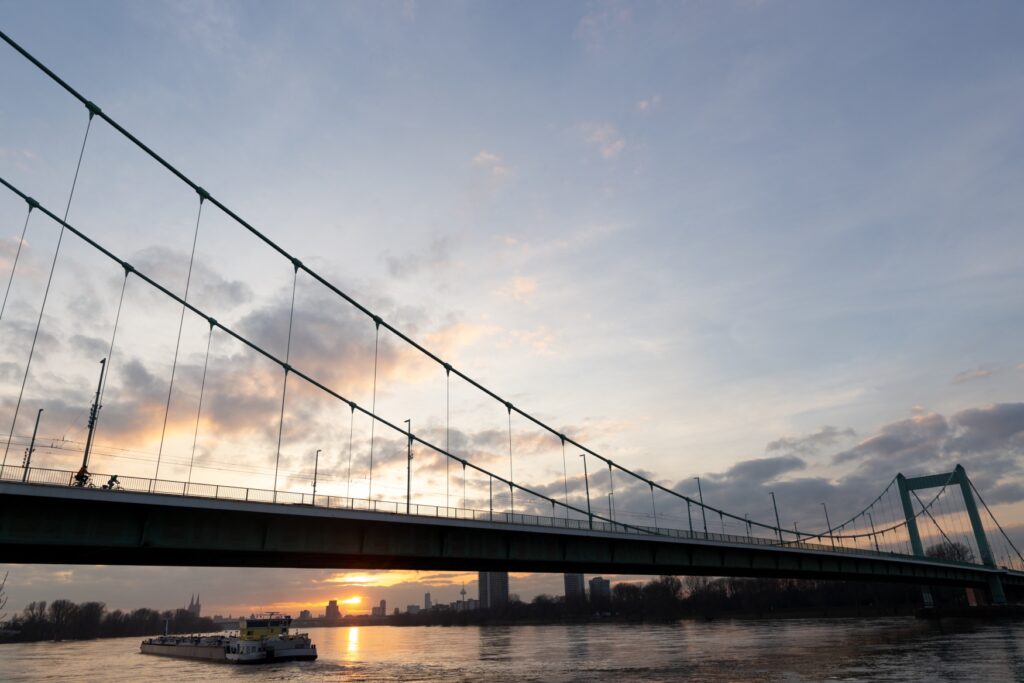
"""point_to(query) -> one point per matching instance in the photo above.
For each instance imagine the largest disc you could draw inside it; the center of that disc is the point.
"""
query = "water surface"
(896, 649)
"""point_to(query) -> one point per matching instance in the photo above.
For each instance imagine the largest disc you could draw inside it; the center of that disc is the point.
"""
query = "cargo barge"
(259, 641)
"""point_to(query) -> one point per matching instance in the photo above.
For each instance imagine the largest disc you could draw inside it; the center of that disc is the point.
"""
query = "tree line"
(66, 620)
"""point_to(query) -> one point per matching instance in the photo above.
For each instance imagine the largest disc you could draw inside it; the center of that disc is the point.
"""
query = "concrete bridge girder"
(74, 526)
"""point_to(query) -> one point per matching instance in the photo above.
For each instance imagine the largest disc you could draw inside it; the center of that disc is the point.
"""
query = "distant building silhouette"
(194, 607)
(305, 614)
(427, 604)
(493, 590)
(600, 594)
(332, 613)
(575, 588)
(381, 611)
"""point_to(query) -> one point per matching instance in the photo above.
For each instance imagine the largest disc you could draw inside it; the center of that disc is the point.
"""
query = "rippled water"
(786, 650)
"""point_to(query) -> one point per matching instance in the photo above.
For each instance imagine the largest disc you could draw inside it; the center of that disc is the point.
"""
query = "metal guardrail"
(66, 478)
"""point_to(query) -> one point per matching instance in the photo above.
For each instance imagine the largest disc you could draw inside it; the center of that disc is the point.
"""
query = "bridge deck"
(41, 523)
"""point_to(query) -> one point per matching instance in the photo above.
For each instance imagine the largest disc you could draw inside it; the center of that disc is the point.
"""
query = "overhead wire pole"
(828, 524)
(778, 524)
(31, 447)
(703, 513)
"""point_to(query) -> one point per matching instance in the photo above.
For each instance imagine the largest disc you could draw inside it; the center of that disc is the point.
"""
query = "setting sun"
(354, 600)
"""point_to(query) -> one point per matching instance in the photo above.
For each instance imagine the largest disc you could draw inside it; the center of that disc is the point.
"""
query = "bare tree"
(951, 550)
(3, 598)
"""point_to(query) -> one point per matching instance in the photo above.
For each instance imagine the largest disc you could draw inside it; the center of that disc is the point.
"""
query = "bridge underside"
(44, 524)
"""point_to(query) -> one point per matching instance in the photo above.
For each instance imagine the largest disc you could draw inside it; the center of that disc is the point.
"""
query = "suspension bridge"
(184, 497)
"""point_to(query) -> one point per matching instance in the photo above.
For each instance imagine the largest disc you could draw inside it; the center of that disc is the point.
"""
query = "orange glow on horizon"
(354, 600)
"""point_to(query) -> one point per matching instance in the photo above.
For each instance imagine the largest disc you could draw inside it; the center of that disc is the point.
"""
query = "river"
(893, 649)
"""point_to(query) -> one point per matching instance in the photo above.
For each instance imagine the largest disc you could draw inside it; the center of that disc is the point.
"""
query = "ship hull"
(209, 653)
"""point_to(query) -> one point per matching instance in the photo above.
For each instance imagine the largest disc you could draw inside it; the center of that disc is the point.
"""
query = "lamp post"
(408, 467)
(703, 513)
(778, 524)
(316, 468)
(828, 525)
(586, 480)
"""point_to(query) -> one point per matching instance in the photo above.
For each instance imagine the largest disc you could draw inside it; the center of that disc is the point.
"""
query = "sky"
(772, 244)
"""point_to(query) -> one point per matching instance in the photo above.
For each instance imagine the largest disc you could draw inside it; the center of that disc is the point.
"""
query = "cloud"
(436, 256)
(763, 470)
(648, 105)
(540, 340)
(409, 10)
(595, 27)
(207, 286)
(810, 444)
(519, 288)
(492, 163)
(969, 375)
(605, 137)
(988, 441)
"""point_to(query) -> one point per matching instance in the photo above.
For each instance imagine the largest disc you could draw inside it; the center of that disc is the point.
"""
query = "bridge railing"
(66, 478)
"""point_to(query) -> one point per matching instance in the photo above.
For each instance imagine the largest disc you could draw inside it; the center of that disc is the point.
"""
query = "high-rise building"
(305, 614)
(575, 588)
(332, 613)
(493, 590)
(412, 609)
(381, 610)
(600, 594)
(427, 604)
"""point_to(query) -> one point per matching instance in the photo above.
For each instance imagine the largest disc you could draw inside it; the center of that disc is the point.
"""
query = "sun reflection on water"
(353, 642)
